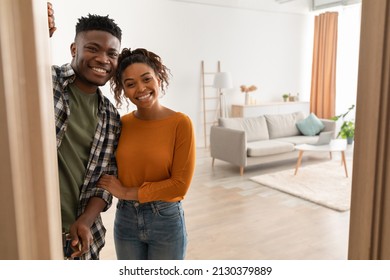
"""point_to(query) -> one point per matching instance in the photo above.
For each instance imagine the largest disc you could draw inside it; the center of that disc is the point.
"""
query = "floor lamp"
(222, 80)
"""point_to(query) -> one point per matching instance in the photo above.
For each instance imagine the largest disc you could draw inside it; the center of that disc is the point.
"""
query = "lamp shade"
(223, 80)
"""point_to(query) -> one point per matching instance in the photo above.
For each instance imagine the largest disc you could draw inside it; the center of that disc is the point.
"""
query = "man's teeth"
(100, 70)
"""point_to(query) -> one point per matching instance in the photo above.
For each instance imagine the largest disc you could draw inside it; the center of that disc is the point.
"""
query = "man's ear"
(73, 49)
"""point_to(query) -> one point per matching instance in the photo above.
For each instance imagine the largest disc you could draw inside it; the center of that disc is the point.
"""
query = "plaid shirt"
(102, 158)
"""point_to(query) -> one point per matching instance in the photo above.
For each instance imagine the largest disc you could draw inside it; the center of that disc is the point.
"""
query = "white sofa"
(256, 140)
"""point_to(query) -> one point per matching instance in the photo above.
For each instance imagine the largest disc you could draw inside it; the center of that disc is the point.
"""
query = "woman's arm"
(115, 187)
(182, 170)
(172, 188)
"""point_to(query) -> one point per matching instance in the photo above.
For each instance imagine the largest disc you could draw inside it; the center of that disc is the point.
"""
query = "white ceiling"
(285, 6)
(281, 6)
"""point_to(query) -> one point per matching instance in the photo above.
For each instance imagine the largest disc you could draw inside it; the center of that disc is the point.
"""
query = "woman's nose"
(141, 88)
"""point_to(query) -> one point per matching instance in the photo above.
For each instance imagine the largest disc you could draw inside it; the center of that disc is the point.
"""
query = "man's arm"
(80, 231)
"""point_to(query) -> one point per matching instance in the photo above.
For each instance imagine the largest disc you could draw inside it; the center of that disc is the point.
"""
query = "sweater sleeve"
(176, 186)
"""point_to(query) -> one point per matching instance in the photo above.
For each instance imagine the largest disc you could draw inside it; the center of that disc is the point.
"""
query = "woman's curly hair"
(128, 57)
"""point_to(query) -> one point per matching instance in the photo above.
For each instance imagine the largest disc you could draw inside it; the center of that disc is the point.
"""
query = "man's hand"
(81, 238)
(50, 17)
(80, 231)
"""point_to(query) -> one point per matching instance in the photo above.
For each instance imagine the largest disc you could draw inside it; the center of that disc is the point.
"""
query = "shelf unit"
(242, 111)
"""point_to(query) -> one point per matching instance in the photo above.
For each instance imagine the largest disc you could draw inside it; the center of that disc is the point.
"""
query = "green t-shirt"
(74, 151)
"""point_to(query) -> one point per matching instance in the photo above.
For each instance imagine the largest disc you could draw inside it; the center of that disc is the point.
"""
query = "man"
(87, 130)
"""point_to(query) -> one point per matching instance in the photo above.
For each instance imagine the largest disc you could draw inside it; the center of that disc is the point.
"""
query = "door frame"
(369, 236)
(29, 204)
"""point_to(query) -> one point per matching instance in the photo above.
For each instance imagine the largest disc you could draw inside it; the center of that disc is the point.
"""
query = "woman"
(156, 161)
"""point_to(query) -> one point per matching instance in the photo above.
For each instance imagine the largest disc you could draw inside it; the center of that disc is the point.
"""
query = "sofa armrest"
(228, 145)
(330, 125)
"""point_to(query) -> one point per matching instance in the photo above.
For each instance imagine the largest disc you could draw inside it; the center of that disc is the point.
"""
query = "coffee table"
(336, 145)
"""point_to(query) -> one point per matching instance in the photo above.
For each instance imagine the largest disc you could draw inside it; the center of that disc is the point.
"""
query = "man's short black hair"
(96, 22)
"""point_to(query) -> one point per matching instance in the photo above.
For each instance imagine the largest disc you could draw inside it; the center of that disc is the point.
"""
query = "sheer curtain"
(323, 85)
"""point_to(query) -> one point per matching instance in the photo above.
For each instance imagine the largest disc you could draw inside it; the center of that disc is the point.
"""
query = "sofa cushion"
(300, 139)
(283, 125)
(268, 147)
(310, 126)
(255, 128)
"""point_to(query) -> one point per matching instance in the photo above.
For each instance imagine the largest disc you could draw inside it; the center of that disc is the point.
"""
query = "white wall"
(269, 49)
(348, 59)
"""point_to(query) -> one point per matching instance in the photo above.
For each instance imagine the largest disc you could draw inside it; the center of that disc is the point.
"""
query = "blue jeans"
(150, 231)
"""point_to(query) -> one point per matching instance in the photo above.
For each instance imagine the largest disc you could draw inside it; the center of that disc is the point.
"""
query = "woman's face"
(141, 85)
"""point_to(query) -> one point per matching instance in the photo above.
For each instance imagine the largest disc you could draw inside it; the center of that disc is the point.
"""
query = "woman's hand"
(115, 187)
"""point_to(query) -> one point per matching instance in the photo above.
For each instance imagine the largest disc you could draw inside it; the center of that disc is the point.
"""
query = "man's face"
(95, 58)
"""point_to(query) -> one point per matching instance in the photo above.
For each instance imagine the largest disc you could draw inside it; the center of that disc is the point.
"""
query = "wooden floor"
(229, 217)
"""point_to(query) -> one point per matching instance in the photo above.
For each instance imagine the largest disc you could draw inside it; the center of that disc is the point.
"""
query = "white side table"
(336, 145)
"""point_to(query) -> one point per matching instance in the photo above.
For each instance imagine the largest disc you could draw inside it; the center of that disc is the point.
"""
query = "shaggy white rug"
(322, 183)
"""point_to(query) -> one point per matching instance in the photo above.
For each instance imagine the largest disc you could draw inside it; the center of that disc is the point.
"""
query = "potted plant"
(347, 129)
(285, 97)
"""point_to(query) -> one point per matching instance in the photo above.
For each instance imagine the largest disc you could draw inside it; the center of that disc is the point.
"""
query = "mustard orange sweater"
(158, 156)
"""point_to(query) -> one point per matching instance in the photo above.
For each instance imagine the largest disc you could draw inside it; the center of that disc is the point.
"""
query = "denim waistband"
(154, 205)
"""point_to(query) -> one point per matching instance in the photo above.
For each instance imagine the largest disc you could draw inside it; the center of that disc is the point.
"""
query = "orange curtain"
(323, 84)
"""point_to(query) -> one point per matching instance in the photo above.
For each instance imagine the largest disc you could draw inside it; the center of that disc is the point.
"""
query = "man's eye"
(92, 49)
(113, 55)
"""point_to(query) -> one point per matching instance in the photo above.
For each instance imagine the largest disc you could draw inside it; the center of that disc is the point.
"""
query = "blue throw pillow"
(310, 126)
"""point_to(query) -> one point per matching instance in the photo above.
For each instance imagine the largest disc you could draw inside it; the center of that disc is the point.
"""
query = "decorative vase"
(247, 98)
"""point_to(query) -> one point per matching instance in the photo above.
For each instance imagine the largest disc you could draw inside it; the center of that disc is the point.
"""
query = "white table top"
(336, 145)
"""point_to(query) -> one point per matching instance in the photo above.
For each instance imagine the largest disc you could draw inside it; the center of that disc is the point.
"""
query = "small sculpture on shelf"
(247, 90)
(291, 98)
